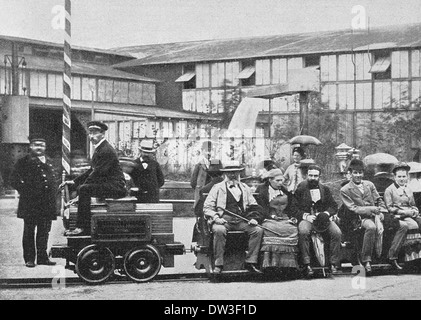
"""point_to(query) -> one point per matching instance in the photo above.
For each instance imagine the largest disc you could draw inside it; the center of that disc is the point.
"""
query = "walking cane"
(246, 220)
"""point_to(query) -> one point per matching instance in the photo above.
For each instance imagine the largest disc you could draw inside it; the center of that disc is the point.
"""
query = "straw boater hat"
(147, 146)
(97, 125)
(231, 166)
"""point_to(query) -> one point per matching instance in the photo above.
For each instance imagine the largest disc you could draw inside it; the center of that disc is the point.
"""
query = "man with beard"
(147, 174)
(105, 178)
(236, 197)
(33, 177)
(311, 200)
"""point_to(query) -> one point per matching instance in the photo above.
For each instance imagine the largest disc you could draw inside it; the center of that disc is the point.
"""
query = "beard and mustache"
(313, 184)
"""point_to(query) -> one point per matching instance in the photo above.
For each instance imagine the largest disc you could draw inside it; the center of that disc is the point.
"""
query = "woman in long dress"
(400, 202)
(278, 251)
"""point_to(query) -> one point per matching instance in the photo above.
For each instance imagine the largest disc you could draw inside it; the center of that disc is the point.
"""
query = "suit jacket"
(105, 168)
(198, 209)
(36, 183)
(218, 198)
(148, 180)
(302, 202)
(262, 199)
(199, 179)
(395, 199)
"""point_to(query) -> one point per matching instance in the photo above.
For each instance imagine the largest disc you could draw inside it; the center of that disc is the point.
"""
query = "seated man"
(236, 197)
(104, 179)
(364, 202)
(312, 198)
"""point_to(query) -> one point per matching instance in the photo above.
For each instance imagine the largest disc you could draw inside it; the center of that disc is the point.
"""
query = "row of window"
(50, 85)
(380, 64)
(383, 94)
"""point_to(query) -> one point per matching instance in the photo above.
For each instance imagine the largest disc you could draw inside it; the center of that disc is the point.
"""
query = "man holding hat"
(236, 197)
(147, 174)
(105, 178)
(33, 177)
(363, 203)
(314, 205)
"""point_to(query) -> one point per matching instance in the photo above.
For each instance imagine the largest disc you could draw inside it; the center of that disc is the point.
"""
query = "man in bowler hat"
(105, 178)
(33, 177)
(147, 174)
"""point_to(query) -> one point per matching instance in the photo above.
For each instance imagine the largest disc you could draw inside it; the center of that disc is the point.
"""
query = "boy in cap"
(147, 174)
(33, 177)
(105, 178)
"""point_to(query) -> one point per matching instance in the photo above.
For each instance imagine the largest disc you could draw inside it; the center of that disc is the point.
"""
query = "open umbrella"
(304, 140)
(379, 158)
(415, 167)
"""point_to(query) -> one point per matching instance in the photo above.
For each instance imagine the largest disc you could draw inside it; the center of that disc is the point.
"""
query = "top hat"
(230, 166)
(322, 222)
(97, 125)
(147, 145)
(402, 166)
(215, 166)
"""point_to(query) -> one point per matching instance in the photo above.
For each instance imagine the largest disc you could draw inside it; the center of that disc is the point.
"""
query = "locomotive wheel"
(95, 264)
(142, 263)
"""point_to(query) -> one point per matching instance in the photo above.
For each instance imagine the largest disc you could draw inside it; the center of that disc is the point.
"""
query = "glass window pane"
(42, 84)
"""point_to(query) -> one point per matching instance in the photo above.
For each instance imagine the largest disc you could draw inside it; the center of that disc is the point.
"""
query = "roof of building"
(81, 68)
(397, 36)
(61, 45)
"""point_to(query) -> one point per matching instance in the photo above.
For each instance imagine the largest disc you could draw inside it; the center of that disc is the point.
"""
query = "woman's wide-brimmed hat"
(273, 173)
(232, 166)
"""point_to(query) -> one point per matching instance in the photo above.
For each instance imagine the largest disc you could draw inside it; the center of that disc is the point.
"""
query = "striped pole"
(67, 89)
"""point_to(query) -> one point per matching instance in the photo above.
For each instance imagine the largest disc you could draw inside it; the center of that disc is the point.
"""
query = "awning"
(246, 72)
(381, 65)
(186, 77)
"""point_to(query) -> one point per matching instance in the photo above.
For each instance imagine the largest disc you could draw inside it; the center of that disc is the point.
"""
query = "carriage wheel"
(142, 263)
(95, 264)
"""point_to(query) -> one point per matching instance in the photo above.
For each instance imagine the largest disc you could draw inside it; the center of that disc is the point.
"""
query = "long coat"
(302, 201)
(148, 179)
(36, 183)
(105, 169)
(199, 179)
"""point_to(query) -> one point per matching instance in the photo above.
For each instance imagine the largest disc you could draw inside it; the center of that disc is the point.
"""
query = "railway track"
(227, 276)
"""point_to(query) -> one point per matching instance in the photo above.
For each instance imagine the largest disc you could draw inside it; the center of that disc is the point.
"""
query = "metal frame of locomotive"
(135, 239)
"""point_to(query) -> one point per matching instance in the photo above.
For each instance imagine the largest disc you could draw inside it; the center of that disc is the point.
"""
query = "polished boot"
(368, 267)
(46, 262)
(217, 270)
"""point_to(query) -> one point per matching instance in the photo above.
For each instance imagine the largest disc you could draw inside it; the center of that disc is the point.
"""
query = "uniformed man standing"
(33, 177)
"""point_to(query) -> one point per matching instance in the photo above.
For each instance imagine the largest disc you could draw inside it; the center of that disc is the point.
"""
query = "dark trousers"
(35, 247)
(304, 237)
(88, 190)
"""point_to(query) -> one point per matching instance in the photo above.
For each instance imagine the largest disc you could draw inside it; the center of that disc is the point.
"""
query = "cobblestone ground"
(339, 288)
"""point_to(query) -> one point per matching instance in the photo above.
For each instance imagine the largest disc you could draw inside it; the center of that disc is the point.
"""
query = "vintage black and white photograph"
(210, 155)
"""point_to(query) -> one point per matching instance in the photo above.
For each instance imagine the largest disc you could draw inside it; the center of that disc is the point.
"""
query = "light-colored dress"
(293, 176)
(397, 198)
